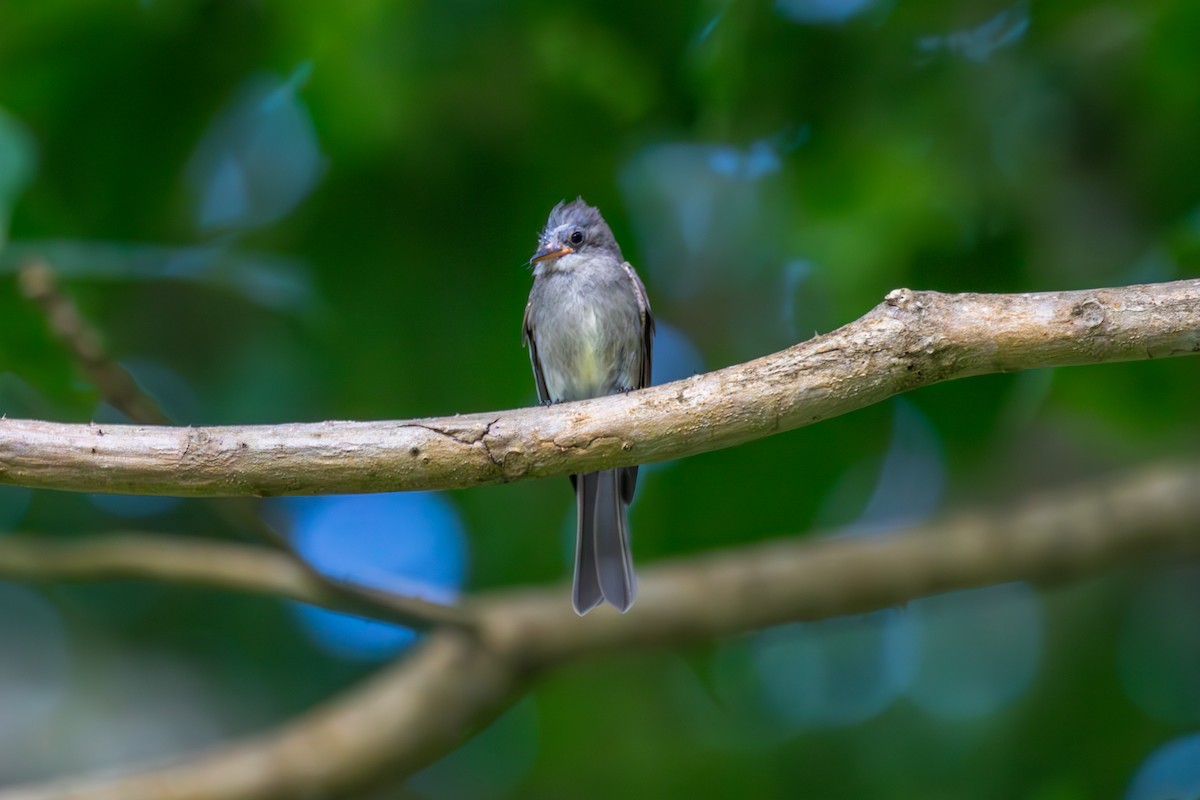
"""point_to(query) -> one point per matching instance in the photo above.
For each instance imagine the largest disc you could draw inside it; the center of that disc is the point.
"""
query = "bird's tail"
(603, 563)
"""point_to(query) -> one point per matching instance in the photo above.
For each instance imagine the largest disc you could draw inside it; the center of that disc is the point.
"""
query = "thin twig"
(202, 562)
(113, 381)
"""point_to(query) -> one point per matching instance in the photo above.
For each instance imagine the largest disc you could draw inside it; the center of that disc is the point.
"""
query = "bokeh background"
(285, 211)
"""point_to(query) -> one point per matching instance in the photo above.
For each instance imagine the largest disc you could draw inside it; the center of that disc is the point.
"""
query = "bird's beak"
(548, 253)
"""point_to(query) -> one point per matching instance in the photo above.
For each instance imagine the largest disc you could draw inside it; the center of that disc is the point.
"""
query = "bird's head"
(574, 229)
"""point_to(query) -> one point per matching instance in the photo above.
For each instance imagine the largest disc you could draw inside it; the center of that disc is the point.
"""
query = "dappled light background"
(286, 211)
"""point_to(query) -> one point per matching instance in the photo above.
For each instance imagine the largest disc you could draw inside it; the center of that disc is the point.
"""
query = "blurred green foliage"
(771, 172)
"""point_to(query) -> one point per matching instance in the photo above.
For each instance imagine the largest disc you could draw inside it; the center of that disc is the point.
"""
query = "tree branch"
(422, 706)
(912, 339)
(113, 381)
(219, 565)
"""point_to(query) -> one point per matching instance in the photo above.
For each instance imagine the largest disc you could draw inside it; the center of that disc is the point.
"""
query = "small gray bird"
(590, 333)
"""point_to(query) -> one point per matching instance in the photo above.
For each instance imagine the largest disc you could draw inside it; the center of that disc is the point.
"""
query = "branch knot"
(1089, 314)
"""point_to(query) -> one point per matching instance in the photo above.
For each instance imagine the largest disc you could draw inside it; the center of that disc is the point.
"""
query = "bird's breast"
(590, 367)
(586, 327)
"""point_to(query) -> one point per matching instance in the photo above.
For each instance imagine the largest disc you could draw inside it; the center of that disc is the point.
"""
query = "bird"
(590, 333)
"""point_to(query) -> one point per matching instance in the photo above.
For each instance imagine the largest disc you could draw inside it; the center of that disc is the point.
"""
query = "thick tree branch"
(422, 706)
(912, 339)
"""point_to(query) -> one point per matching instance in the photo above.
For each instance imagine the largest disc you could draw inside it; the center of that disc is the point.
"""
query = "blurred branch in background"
(422, 706)
(113, 381)
(221, 565)
(910, 340)
(265, 279)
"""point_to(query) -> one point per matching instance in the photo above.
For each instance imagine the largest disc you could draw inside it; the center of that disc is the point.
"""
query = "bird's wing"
(628, 475)
(527, 338)
(643, 301)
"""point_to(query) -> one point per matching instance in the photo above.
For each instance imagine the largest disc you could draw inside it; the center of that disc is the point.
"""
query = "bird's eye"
(576, 237)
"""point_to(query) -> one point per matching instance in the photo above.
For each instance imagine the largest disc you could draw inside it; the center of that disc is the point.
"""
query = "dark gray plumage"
(590, 333)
